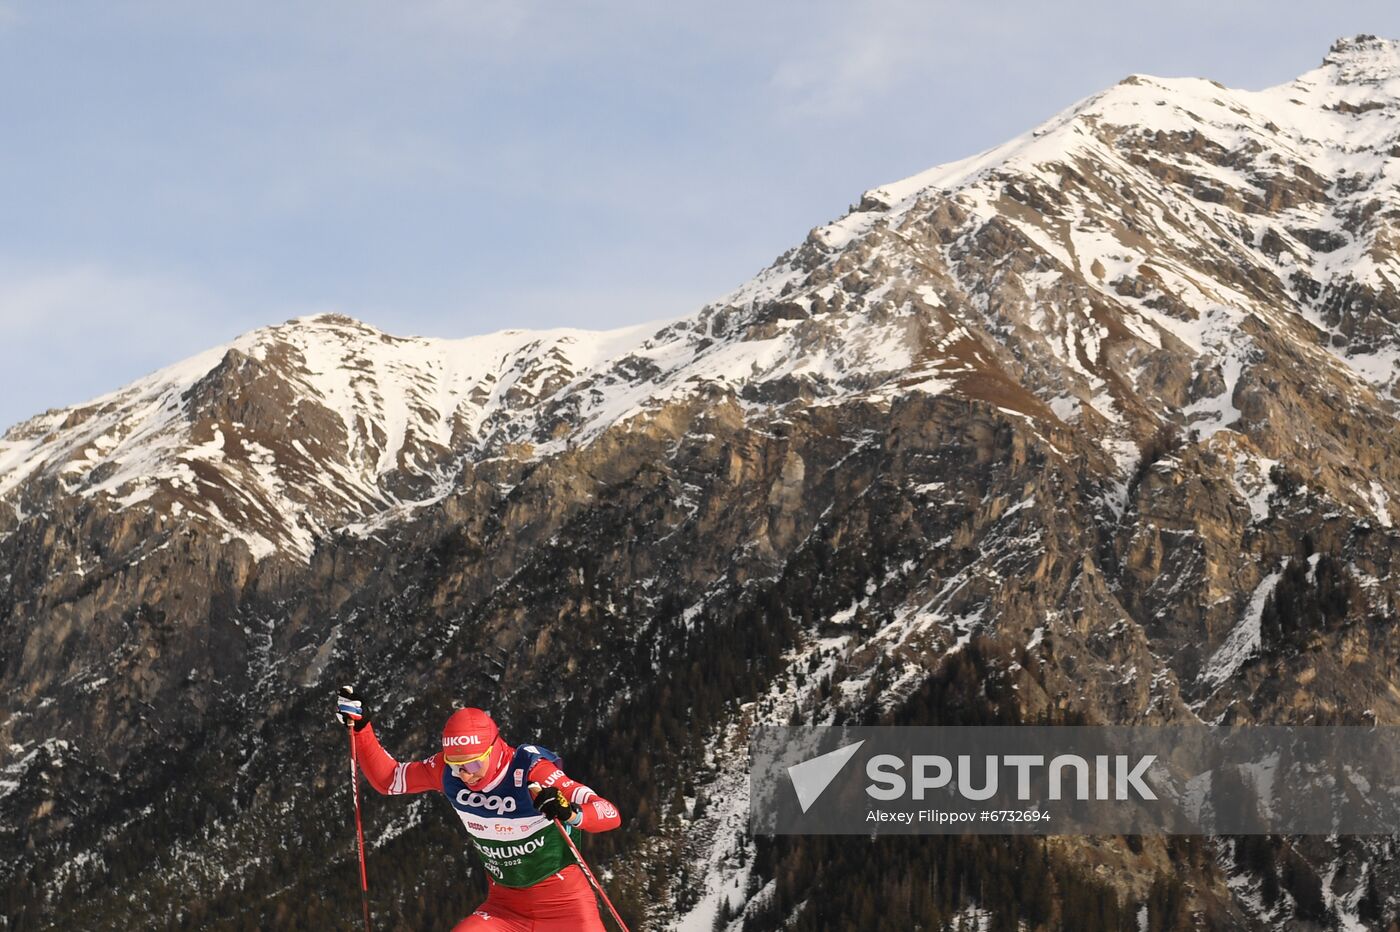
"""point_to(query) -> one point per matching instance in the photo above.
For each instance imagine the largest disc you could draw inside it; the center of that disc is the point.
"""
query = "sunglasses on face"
(470, 765)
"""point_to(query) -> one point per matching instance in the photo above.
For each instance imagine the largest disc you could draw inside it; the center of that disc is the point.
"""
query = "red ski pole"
(597, 887)
(359, 827)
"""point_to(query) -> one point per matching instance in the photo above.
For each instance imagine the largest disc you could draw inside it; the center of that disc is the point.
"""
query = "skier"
(506, 797)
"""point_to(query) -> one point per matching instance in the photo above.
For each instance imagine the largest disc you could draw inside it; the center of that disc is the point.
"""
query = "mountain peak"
(1160, 216)
(327, 320)
(1364, 59)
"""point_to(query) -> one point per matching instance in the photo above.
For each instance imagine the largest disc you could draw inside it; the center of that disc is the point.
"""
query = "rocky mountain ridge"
(1297, 232)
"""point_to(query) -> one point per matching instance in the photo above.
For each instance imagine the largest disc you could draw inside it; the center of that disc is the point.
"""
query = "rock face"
(1099, 426)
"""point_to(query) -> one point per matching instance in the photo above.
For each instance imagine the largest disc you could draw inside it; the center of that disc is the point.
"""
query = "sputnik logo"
(811, 777)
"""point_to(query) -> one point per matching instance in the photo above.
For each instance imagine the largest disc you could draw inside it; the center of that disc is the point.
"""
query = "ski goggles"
(470, 765)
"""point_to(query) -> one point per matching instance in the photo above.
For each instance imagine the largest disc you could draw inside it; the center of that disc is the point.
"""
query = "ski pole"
(359, 827)
(597, 887)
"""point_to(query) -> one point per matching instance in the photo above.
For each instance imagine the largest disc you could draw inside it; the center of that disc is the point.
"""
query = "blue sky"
(173, 174)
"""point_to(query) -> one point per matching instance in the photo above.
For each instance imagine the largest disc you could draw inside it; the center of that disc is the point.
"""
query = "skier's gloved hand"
(552, 802)
(350, 708)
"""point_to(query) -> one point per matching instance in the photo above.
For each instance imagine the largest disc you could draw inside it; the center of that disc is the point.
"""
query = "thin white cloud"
(371, 32)
(855, 53)
(495, 19)
(81, 296)
(70, 333)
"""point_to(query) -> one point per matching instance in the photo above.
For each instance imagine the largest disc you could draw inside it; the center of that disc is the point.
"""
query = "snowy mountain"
(1160, 212)
(293, 430)
(1099, 425)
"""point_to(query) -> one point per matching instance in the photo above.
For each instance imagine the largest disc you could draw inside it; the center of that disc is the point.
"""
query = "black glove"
(350, 708)
(553, 803)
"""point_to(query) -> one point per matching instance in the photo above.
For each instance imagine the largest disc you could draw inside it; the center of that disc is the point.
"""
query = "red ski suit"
(560, 901)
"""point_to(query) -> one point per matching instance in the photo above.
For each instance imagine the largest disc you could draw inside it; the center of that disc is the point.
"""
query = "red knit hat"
(468, 732)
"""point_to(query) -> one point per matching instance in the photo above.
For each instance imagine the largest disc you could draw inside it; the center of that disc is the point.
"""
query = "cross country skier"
(506, 797)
